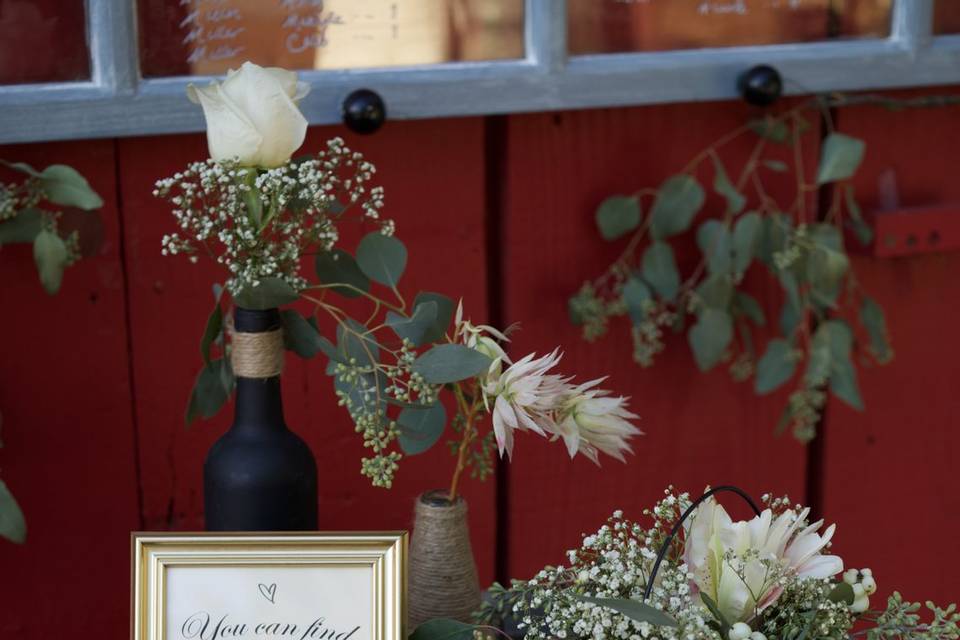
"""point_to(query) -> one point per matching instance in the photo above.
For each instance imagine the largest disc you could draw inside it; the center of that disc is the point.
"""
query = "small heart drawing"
(268, 592)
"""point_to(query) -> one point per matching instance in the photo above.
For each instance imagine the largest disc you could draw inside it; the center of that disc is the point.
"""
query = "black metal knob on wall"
(364, 111)
(761, 85)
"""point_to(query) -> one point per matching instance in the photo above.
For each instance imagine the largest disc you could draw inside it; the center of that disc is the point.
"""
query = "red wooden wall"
(499, 210)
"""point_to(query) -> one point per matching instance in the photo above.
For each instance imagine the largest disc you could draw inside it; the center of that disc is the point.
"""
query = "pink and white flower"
(592, 420)
(737, 564)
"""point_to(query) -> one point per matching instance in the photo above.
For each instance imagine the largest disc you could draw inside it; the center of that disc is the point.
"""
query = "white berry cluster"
(260, 223)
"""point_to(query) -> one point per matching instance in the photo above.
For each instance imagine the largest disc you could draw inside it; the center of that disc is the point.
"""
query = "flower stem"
(469, 433)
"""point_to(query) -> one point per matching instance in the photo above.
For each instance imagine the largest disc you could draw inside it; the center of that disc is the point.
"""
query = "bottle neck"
(259, 405)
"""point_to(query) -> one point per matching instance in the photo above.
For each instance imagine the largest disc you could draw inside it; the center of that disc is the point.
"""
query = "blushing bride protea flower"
(591, 419)
(739, 565)
(526, 396)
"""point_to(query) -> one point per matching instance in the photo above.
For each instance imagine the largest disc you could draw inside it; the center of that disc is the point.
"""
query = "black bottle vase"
(259, 476)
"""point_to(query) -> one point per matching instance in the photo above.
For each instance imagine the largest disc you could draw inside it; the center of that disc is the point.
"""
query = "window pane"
(196, 37)
(946, 17)
(43, 41)
(606, 26)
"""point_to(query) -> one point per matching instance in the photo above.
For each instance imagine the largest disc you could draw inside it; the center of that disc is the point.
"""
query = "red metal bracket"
(906, 232)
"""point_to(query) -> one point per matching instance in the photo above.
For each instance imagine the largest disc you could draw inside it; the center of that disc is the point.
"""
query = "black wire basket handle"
(679, 523)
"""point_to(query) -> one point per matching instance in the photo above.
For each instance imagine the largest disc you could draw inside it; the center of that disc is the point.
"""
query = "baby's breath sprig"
(260, 223)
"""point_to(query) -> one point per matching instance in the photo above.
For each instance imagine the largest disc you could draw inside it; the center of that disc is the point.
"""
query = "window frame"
(116, 101)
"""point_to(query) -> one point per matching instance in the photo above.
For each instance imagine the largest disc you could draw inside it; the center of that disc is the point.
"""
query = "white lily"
(736, 563)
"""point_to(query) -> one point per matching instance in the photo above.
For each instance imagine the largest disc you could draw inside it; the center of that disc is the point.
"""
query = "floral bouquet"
(693, 573)
(265, 216)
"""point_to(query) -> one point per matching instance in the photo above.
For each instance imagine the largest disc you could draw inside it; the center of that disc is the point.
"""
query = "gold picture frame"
(302, 586)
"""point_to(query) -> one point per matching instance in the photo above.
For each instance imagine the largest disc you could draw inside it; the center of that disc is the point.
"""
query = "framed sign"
(300, 586)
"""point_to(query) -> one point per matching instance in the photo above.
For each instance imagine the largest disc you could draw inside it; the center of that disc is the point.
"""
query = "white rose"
(253, 115)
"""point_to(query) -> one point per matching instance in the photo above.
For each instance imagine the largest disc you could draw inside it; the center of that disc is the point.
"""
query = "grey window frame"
(116, 101)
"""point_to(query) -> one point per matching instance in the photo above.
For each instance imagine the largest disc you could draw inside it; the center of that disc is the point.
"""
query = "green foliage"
(417, 327)
(659, 268)
(339, 267)
(634, 609)
(211, 332)
(710, 337)
(776, 367)
(51, 255)
(382, 258)
(420, 427)
(65, 186)
(803, 252)
(13, 527)
(840, 155)
(443, 629)
(301, 336)
(444, 315)
(22, 228)
(212, 389)
(617, 216)
(445, 363)
(269, 294)
(678, 201)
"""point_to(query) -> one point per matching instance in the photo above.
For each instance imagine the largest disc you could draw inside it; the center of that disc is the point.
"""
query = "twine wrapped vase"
(443, 574)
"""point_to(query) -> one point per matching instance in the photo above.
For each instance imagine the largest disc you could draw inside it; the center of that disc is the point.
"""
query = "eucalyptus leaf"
(715, 242)
(365, 393)
(445, 363)
(50, 254)
(863, 231)
(339, 267)
(716, 291)
(776, 165)
(420, 428)
(302, 337)
(660, 270)
(445, 309)
(722, 185)
(635, 295)
(872, 318)
(789, 318)
(211, 332)
(65, 186)
(382, 258)
(617, 216)
(269, 294)
(774, 236)
(843, 382)
(746, 237)
(356, 343)
(22, 167)
(13, 526)
(634, 609)
(840, 156)
(443, 629)
(24, 227)
(776, 367)
(678, 200)
(209, 392)
(417, 327)
(710, 337)
(746, 305)
(842, 592)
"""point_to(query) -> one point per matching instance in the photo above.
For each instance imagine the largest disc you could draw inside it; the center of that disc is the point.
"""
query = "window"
(123, 67)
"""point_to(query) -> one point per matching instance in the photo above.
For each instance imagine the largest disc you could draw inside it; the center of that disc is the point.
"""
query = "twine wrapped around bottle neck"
(257, 355)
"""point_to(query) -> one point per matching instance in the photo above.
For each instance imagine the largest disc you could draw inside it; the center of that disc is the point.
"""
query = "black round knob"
(761, 85)
(364, 111)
